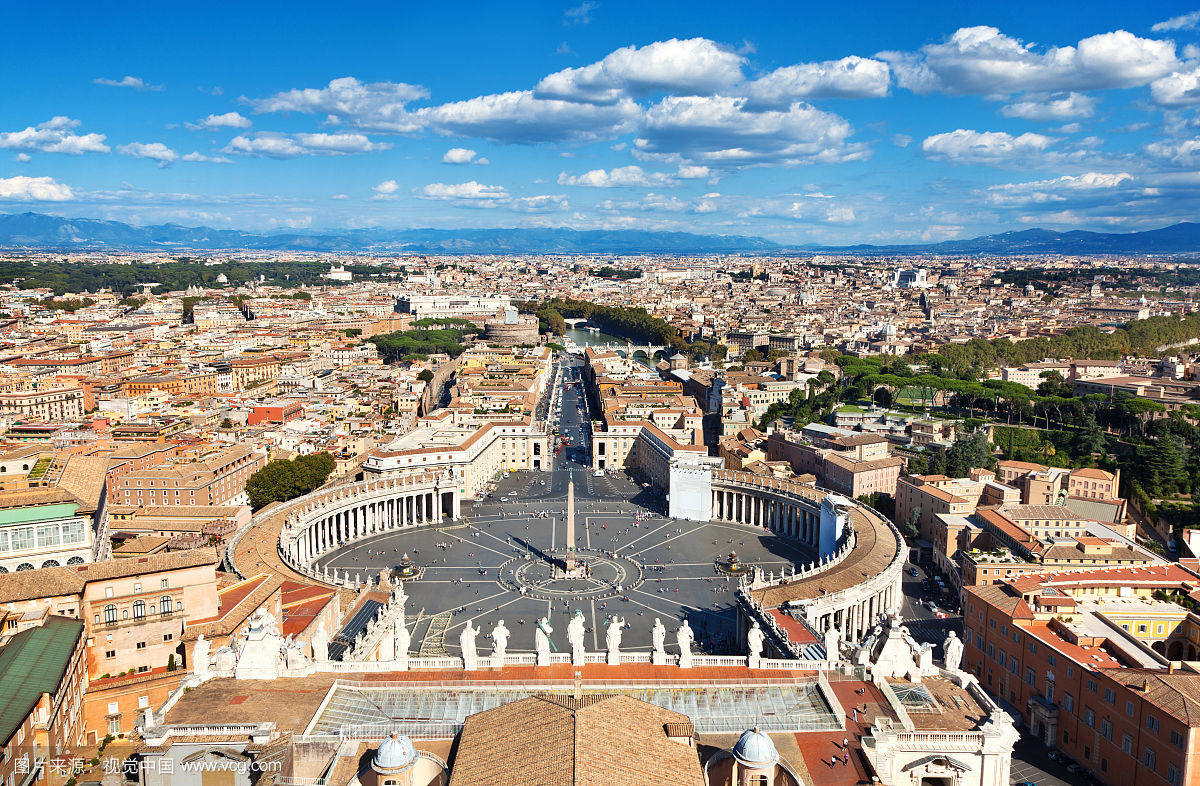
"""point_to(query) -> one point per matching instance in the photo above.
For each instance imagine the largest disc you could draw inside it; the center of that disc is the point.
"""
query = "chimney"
(578, 687)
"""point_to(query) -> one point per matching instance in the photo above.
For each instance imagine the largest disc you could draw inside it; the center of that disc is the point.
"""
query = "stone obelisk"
(570, 560)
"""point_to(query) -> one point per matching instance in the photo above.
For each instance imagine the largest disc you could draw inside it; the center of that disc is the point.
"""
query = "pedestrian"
(845, 742)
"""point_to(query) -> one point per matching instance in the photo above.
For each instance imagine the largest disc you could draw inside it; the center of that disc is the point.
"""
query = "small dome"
(755, 749)
(394, 755)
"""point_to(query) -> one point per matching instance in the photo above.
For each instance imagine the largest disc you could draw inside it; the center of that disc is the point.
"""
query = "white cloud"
(463, 191)
(850, 77)
(275, 145)
(540, 204)
(901, 140)
(1179, 152)
(375, 106)
(22, 158)
(1178, 89)
(1187, 21)
(966, 146)
(695, 66)
(227, 120)
(985, 61)
(34, 189)
(461, 155)
(1054, 190)
(693, 172)
(520, 118)
(620, 177)
(1052, 109)
(155, 151)
(197, 157)
(54, 136)
(717, 131)
(136, 82)
(387, 187)
(340, 196)
(580, 14)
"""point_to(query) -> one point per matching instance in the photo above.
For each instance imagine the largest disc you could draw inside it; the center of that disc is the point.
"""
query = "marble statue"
(684, 638)
(612, 638)
(575, 634)
(541, 641)
(833, 643)
(320, 643)
(466, 642)
(201, 662)
(659, 636)
(754, 644)
(953, 651)
(499, 641)
(401, 638)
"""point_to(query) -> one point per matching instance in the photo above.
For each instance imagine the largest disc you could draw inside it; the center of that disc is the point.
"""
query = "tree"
(226, 423)
(973, 450)
(280, 481)
(425, 376)
(751, 356)
(1167, 462)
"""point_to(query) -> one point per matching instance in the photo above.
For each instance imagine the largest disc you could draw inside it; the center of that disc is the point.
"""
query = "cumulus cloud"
(54, 136)
(967, 146)
(1178, 89)
(155, 151)
(226, 120)
(850, 77)
(1052, 109)
(34, 189)
(136, 82)
(540, 204)
(1177, 152)
(983, 60)
(625, 176)
(1187, 21)
(461, 155)
(718, 131)
(1057, 189)
(275, 145)
(463, 191)
(521, 118)
(374, 106)
(387, 187)
(197, 157)
(695, 66)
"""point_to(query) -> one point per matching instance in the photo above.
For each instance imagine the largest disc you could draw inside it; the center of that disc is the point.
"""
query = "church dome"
(395, 754)
(754, 749)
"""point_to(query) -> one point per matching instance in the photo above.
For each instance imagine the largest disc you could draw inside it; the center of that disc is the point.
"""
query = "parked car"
(914, 572)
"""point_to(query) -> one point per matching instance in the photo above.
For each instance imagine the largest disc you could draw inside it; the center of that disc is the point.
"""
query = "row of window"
(166, 607)
(41, 536)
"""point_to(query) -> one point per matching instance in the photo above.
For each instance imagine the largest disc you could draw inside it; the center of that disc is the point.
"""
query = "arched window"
(25, 566)
(50, 563)
(164, 605)
(110, 614)
(139, 609)
(75, 561)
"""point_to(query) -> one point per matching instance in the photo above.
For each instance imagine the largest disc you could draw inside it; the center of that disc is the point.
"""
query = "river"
(585, 338)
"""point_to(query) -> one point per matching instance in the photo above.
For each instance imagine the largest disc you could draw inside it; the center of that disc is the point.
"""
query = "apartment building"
(212, 477)
(56, 404)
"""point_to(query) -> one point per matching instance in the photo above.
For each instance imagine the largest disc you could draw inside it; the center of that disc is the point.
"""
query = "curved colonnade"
(855, 581)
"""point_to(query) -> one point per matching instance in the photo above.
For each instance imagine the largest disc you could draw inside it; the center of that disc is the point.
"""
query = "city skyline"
(903, 125)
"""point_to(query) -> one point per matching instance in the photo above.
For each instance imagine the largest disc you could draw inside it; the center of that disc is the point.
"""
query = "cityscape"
(749, 396)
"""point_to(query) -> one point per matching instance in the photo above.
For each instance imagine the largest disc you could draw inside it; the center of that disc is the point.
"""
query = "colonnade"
(794, 511)
(796, 519)
(362, 510)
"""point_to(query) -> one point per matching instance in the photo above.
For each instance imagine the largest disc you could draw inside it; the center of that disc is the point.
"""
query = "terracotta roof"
(1177, 694)
(595, 740)
(70, 580)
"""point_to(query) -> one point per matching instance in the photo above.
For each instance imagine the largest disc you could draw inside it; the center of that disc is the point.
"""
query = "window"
(1173, 775)
(143, 702)
(139, 609)
(1069, 703)
(1129, 708)
(168, 636)
(110, 653)
(1106, 729)
(1127, 743)
(110, 614)
(141, 645)
(1152, 723)
(164, 584)
(114, 725)
(1110, 696)
(1091, 686)
(164, 605)
(112, 708)
(1148, 757)
(1089, 717)
(1029, 679)
(1176, 739)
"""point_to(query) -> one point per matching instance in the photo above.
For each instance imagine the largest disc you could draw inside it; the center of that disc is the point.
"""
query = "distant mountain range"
(36, 230)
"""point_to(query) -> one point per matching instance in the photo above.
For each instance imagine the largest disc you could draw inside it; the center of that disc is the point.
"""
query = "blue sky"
(800, 122)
